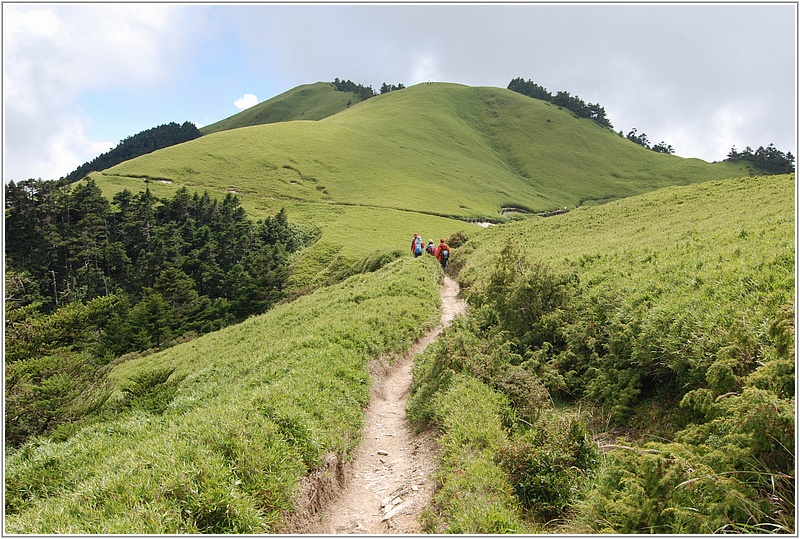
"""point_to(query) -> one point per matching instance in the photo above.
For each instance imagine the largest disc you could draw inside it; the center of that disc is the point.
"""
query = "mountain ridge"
(474, 150)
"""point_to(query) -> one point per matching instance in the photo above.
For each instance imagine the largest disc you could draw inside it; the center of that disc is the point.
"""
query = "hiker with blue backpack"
(417, 245)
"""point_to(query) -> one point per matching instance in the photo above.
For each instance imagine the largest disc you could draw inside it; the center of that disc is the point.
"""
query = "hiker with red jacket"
(417, 246)
(443, 253)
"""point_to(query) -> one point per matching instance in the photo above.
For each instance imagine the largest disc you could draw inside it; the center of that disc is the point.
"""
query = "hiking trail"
(389, 481)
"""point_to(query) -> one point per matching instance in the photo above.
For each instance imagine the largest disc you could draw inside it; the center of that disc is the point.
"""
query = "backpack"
(418, 246)
(445, 254)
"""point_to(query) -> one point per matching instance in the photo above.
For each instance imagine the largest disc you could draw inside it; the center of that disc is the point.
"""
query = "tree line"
(364, 92)
(88, 281)
(592, 111)
(581, 109)
(641, 140)
(138, 274)
(385, 88)
(141, 143)
(769, 159)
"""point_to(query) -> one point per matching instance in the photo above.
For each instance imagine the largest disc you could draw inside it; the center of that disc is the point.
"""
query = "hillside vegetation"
(421, 159)
(661, 325)
(625, 367)
(214, 435)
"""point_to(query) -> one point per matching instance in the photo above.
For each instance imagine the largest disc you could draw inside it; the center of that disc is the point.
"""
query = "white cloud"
(246, 101)
(61, 146)
(54, 54)
(729, 127)
(37, 22)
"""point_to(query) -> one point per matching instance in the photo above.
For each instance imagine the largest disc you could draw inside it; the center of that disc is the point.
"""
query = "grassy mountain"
(446, 149)
(421, 159)
(661, 323)
(306, 102)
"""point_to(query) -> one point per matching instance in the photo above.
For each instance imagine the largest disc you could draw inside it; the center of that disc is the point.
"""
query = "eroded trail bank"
(389, 481)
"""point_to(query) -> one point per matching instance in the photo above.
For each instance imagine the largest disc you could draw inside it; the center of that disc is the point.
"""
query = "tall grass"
(669, 318)
(255, 407)
(474, 494)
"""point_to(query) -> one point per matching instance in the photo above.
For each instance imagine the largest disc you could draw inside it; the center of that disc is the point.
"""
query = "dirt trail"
(389, 481)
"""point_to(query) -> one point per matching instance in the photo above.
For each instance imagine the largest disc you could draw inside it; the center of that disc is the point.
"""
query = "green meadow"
(625, 367)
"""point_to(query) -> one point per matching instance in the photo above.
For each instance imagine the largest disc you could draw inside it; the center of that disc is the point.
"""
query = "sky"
(79, 78)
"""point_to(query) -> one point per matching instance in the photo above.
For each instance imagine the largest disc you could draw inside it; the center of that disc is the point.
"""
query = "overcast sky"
(79, 78)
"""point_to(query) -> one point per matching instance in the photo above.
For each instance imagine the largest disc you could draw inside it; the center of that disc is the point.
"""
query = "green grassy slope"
(683, 295)
(416, 160)
(447, 149)
(717, 217)
(306, 102)
(222, 445)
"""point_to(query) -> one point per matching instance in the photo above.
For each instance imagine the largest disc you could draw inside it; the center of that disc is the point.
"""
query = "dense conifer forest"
(89, 279)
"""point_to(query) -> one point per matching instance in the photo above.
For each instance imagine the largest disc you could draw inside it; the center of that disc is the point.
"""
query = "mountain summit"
(447, 149)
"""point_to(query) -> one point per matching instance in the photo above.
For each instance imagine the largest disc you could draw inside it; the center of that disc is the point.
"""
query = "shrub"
(662, 489)
(734, 473)
(531, 300)
(457, 239)
(549, 463)
(465, 348)
(47, 392)
(459, 348)
(151, 390)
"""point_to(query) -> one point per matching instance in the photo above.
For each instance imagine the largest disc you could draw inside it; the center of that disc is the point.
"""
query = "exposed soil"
(389, 481)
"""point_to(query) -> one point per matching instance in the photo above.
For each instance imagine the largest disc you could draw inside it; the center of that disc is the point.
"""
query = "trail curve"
(390, 478)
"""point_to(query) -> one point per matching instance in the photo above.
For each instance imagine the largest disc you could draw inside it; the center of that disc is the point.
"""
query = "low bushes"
(509, 460)
(474, 495)
(51, 392)
(213, 435)
(671, 316)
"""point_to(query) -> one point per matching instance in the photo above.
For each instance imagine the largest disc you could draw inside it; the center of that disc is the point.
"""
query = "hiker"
(417, 245)
(443, 253)
(431, 248)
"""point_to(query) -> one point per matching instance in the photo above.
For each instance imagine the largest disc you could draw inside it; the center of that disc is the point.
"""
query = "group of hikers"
(441, 251)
